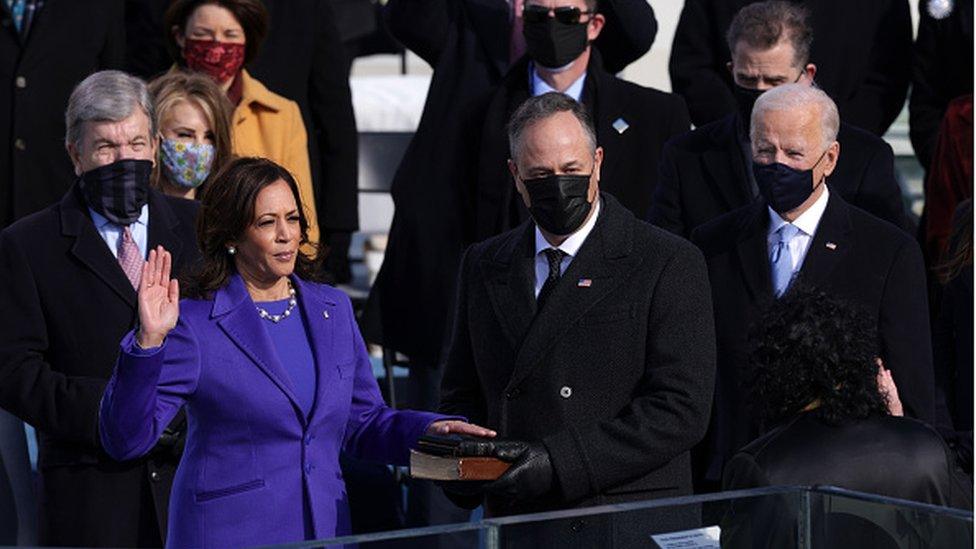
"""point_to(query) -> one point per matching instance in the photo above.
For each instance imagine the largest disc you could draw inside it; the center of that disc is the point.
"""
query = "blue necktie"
(16, 8)
(780, 259)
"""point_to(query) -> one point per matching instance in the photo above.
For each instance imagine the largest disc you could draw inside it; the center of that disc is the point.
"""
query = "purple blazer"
(251, 453)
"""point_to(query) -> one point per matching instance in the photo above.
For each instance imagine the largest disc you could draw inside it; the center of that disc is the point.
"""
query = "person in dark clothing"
(825, 400)
(802, 230)
(70, 271)
(632, 124)
(952, 339)
(315, 77)
(44, 53)
(708, 172)
(862, 56)
(582, 336)
(942, 69)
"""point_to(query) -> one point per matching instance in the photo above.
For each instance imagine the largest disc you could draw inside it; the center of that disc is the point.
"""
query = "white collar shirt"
(807, 224)
(570, 247)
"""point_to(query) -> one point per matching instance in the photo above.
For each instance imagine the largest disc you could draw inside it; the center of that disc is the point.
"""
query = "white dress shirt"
(807, 224)
(570, 247)
(539, 86)
(110, 232)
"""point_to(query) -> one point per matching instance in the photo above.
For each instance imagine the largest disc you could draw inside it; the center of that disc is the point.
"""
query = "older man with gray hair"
(69, 274)
(799, 231)
(583, 336)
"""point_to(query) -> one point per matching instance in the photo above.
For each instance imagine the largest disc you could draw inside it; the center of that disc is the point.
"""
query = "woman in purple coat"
(270, 368)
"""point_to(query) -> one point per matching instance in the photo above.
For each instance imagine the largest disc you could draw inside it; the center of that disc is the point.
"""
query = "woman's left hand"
(453, 426)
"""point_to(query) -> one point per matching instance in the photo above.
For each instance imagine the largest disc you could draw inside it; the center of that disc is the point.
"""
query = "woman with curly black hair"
(827, 402)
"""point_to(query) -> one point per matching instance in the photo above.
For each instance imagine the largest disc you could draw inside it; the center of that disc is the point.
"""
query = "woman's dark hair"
(959, 251)
(251, 14)
(226, 210)
(813, 347)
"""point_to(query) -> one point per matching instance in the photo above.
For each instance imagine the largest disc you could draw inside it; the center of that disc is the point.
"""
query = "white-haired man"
(69, 274)
(801, 231)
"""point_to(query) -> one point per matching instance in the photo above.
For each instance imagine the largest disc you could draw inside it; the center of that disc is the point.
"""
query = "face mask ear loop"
(815, 164)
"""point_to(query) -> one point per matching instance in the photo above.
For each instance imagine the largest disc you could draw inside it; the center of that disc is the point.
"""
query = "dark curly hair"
(810, 346)
(226, 209)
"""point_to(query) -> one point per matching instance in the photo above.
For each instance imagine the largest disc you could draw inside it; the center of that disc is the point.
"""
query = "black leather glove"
(530, 475)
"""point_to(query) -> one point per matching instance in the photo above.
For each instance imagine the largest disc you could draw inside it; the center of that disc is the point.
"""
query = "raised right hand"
(159, 299)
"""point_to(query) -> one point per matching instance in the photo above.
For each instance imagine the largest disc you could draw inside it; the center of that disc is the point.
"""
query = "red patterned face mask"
(220, 60)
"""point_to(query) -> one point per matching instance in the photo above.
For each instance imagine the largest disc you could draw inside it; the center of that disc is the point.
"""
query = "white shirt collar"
(539, 86)
(100, 220)
(808, 220)
(572, 244)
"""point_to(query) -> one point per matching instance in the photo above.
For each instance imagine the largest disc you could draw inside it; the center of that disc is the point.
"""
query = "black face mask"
(553, 44)
(745, 98)
(559, 204)
(783, 187)
(118, 190)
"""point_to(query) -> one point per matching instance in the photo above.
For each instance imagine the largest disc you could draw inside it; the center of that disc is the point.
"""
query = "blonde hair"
(178, 85)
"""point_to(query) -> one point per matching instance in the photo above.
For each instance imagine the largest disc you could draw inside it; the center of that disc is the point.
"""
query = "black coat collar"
(605, 258)
(830, 244)
(90, 249)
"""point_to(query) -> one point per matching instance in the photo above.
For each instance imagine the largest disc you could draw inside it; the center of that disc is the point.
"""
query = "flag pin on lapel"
(325, 314)
(584, 283)
(620, 125)
(831, 246)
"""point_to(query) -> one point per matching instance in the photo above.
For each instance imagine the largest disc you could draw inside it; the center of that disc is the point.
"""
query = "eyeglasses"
(567, 15)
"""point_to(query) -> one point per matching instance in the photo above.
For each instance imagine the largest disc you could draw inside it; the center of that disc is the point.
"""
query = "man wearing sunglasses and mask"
(69, 275)
(632, 122)
(708, 172)
(583, 336)
(803, 233)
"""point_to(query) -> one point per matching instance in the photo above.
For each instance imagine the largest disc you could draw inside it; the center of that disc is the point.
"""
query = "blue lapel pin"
(620, 125)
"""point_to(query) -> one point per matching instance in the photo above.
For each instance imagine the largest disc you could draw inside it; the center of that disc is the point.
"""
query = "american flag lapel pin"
(584, 283)
(831, 246)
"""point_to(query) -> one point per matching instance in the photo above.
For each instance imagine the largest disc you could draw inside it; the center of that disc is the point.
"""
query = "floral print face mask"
(186, 165)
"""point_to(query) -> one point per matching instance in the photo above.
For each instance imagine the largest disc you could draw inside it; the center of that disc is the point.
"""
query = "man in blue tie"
(799, 232)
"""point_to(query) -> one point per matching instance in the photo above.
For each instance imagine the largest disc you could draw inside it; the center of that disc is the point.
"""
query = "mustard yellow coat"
(268, 125)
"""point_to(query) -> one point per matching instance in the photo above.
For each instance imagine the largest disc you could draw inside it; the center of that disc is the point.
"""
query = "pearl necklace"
(292, 302)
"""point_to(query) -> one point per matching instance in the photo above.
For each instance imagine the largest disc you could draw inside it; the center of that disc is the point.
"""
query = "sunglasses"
(567, 15)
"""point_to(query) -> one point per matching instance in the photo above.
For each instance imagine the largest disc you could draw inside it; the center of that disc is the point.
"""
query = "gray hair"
(792, 97)
(538, 108)
(763, 24)
(106, 96)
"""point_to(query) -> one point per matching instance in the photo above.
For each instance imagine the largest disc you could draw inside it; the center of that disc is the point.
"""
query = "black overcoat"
(614, 376)
(854, 256)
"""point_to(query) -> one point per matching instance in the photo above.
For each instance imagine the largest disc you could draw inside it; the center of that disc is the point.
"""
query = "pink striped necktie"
(130, 258)
(516, 42)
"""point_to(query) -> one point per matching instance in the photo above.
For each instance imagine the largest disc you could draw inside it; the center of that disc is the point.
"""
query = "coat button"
(566, 391)
(577, 525)
(20, 82)
(514, 393)
(20, 144)
(308, 468)
(308, 440)
(154, 476)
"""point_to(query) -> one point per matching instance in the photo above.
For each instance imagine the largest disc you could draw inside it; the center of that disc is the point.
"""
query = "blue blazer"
(251, 454)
